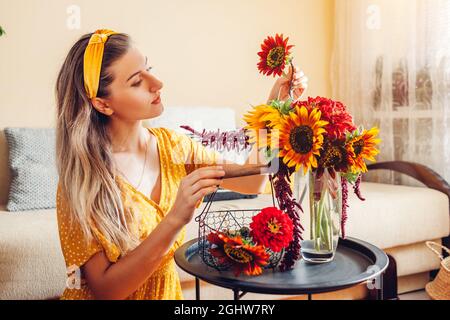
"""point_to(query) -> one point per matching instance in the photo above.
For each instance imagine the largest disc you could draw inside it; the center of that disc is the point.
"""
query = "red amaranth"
(357, 190)
(344, 185)
(220, 141)
(289, 205)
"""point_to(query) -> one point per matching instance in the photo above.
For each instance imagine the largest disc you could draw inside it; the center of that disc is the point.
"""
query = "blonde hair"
(84, 153)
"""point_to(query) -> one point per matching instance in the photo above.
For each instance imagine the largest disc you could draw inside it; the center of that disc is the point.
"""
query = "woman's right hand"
(192, 189)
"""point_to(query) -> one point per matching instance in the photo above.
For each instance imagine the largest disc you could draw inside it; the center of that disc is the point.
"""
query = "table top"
(355, 262)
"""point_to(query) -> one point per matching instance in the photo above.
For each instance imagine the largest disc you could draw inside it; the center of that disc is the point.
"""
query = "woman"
(123, 200)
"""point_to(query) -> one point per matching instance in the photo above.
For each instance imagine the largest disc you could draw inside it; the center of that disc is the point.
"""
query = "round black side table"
(355, 262)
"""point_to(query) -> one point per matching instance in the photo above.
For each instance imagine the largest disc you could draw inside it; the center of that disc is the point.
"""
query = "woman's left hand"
(280, 90)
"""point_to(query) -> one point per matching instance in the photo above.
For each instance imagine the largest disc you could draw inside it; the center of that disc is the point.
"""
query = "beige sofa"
(398, 219)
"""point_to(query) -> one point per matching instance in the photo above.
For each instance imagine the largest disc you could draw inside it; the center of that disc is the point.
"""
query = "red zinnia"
(272, 228)
(273, 55)
(335, 113)
(243, 257)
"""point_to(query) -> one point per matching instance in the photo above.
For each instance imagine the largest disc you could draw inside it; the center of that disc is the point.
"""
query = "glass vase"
(325, 209)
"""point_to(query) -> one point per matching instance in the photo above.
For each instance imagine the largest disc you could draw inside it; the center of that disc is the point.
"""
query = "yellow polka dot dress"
(179, 155)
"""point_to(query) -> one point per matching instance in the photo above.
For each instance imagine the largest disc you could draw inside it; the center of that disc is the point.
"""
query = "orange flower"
(273, 56)
(301, 138)
(363, 147)
(263, 117)
(244, 258)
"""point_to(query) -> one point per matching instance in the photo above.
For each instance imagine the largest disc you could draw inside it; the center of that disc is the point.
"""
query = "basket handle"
(431, 245)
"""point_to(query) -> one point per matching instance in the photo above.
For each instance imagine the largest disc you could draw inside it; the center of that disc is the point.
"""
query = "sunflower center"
(333, 156)
(273, 225)
(237, 254)
(275, 57)
(301, 139)
(358, 147)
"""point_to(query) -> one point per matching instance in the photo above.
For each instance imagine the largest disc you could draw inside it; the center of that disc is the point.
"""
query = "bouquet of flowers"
(316, 136)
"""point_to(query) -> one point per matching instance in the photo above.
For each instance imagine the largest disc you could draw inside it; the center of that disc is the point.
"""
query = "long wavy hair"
(84, 152)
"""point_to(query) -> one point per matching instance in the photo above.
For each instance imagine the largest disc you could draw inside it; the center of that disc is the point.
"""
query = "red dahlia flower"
(272, 228)
(334, 112)
(273, 55)
(243, 257)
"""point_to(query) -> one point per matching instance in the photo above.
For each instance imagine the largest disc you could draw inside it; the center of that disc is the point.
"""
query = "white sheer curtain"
(391, 67)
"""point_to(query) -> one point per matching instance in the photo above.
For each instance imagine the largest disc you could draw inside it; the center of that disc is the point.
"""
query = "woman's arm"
(249, 184)
(281, 87)
(115, 281)
(120, 279)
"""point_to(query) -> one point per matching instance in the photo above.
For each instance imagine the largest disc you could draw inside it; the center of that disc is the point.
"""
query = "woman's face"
(134, 92)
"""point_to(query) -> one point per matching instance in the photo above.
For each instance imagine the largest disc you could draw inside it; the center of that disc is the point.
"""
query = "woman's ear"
(101, 106)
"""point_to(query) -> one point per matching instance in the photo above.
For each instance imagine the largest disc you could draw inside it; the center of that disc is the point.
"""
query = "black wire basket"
(230, 222)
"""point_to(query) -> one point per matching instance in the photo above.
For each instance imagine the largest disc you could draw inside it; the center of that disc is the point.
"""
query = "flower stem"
(319, 216)
(291, 82)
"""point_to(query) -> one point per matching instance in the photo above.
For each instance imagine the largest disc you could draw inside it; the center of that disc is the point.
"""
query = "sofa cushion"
(395, 215)
(32, 165)
(414, 258)
(31, 265)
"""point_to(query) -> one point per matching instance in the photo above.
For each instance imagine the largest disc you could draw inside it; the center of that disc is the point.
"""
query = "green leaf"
(2, 31)
(270, 154)
(267, 152)
(276, 104)
(285, 107)
(351, 177)
(289, 59)
(349, 136)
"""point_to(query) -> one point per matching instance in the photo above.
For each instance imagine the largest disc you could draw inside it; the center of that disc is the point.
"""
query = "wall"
(203, 50)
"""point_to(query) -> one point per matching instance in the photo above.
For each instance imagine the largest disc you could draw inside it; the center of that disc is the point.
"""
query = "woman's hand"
(192, 188)
(280, 90)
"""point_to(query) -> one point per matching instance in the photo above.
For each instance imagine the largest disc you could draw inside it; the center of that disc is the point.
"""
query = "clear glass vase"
(325, 209)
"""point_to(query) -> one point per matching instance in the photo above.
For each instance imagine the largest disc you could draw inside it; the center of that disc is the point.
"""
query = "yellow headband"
(93, 56)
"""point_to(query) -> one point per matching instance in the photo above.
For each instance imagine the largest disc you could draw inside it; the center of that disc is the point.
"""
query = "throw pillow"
(33, 168)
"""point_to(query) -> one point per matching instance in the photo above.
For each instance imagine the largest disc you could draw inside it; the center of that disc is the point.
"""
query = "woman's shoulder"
(170, 136)
(164, 131)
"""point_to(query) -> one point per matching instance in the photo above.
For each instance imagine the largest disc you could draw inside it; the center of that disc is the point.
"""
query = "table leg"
(197, 289)
(309, 296)
(380, 289)
(236, 294)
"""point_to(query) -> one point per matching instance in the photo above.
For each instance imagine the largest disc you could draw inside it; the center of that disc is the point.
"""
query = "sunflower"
(263, 117)
(275, 52)
(301, 138)
(272, 228)
(334, 156)
(242, 257)
(363, 147)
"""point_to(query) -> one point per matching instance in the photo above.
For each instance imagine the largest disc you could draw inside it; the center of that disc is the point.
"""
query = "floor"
(417, 295)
